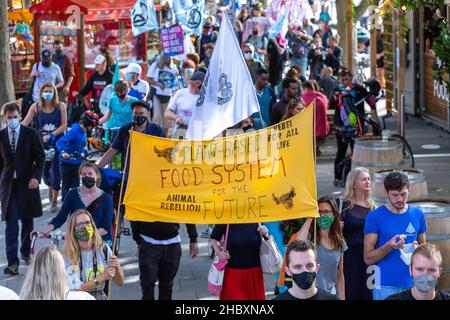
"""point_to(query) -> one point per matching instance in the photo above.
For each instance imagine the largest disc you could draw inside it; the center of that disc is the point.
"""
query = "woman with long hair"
(89, 196)
(49, 117)
(330, 246)
(90, 263)
(355, 206)
(46, 279)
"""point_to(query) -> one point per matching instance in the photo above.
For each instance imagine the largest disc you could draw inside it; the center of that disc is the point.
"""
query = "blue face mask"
(128, 76)
(48, 96)
(13, 123)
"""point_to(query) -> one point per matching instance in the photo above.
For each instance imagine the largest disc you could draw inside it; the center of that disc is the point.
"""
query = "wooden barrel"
(374, 154)
(417, 190)
(437, 215)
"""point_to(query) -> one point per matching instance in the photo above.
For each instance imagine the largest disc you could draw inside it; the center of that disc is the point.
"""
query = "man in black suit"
(22, 161)
(335, 55)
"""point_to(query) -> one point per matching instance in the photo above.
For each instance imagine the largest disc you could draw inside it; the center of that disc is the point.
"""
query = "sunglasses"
(83, 224)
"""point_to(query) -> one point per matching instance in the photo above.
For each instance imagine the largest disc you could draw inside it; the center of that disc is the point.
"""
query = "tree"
(7, 86)
(358, 12)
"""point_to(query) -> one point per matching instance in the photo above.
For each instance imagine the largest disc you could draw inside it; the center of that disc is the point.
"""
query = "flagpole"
(118, 213)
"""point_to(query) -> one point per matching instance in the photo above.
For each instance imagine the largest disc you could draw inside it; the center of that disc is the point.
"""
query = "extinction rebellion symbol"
(201, 99)
(195, 18)
(225, 90)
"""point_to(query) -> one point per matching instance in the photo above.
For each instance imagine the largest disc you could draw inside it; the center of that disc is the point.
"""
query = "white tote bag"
(270, 256)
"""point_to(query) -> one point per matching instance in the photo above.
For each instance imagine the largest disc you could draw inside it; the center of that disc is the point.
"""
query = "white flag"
(227, 95)
(143, 17)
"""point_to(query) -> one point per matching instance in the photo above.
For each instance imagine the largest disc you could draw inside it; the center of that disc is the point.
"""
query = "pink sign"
(172, 40)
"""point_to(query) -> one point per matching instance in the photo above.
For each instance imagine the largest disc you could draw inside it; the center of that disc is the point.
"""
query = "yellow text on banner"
(265, 175)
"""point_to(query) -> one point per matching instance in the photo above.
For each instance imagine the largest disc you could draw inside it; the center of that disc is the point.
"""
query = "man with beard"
(388, 229)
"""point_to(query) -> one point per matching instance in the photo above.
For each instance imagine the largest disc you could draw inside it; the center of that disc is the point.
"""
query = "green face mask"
(84, 233)
(325, 222)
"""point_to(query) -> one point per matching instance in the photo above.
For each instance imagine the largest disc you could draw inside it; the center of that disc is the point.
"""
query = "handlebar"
(55, 237)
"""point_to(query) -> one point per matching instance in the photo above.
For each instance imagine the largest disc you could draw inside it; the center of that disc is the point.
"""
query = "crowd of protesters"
(326, 259)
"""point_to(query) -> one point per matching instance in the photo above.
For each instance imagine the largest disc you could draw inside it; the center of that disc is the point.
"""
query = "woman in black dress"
(354, 208)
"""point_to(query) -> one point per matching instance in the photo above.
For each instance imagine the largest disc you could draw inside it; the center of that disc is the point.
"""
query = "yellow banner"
(265, 175)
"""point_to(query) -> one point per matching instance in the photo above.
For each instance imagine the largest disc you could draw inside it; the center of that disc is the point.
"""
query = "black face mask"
(46, 64)
(246, 128)
(140, 120)
(88, 182)
(255, 32)
(58, 53)
(304, 280)
(121, 97)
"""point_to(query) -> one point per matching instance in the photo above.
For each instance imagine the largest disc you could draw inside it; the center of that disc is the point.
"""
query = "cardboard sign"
(172, 40)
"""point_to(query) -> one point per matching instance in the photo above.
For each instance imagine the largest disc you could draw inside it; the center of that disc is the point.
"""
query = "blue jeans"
(70, 177)
(52, 174)
(386, 291)
(12, 230)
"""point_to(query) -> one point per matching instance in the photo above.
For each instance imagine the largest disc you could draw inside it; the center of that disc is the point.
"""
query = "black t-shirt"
(96, 83)
(276, 64)
(243, 244)
(320, 295)
(122, 139)
(407, 295)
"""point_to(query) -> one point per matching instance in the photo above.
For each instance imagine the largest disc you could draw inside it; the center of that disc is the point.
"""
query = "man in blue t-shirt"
(388, 229)
(141, 123)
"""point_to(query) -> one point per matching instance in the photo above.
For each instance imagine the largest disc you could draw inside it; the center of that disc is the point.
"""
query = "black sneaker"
(26, 258)
(12, 269)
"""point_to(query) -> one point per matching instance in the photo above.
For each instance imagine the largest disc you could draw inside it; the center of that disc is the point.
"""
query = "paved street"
(191, 280)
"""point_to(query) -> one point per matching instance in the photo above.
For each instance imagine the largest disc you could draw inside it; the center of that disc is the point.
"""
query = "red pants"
(243, 284)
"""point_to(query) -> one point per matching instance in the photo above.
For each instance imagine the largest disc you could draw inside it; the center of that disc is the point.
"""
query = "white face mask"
(248, 56)
(13, 123)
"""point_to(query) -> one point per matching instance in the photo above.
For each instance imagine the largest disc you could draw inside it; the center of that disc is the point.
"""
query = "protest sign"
(266, 175)
(172, 40)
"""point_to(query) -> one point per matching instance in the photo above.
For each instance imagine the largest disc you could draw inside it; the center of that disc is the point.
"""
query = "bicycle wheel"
(211, 252)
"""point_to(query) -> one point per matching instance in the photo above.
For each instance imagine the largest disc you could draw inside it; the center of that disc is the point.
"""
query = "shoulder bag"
(270, 256)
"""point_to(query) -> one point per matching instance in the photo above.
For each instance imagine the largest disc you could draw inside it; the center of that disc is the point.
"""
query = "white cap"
(133, 68)
(99, 59)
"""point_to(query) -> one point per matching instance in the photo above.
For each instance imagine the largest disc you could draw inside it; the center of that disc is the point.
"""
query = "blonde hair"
(350, 190)
(46, 277)
(71, 247)
(55, 100)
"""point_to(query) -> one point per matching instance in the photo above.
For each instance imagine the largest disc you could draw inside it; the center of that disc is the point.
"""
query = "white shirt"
(183, 104)
(142, 87)
(167, 76)
(17, 132)
(173, 240)
(79, 295)
(47, 74)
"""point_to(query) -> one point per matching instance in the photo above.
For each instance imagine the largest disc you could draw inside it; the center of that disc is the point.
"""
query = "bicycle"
(360, 76)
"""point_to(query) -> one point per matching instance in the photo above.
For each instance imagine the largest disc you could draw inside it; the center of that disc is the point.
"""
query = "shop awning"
(94, 10)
